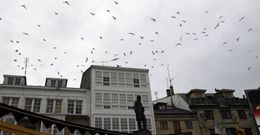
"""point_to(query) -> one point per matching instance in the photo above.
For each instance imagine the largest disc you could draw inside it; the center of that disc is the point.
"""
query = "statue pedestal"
(142, 132)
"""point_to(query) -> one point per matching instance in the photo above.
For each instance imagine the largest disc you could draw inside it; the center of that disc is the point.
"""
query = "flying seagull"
(178, 44)
(241, 19)
(153, 19)
(250, 29)
(66, 2)
(23, 6)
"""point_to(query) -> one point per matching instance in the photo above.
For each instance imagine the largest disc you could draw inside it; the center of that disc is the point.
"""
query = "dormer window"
(14, 80)
(56, 82)
(10, 80)
(53, 83)
(162, 107)
(59, 83)
(17, 81)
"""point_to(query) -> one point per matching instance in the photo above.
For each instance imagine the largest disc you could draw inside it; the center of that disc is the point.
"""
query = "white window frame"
(33, 105)
(54, 107)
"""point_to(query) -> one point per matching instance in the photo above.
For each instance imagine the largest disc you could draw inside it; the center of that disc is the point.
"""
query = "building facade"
(113, 93)
(170, 120)
(54, 99)
(221, 112)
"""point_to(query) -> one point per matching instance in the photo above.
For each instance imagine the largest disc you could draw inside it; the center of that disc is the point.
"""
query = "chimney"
(170, 92)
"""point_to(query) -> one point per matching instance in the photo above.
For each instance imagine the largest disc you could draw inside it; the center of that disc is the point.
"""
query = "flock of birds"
(199, 35)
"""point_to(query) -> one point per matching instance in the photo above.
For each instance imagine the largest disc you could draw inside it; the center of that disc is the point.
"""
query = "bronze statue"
(139, 111)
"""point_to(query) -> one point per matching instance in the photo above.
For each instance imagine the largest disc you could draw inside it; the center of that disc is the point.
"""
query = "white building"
(54, 100)
(113, 92)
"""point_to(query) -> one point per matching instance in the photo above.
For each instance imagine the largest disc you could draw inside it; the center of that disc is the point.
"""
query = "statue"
(139, 112)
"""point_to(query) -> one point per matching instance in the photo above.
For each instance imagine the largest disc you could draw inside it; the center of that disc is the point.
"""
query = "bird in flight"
(92, 13)
(56, 13)
(114, 17)
(23, 6)
(238, 39)
(131, 33)
(216, 26)
(153, 19)
(241, 19)
(25, 33)
(249, 68)
(250, 29)
(116, 2)
(224, 42)
(178, 44)
(115, 59)
(66, 2)
(230, 50)
(178, 13)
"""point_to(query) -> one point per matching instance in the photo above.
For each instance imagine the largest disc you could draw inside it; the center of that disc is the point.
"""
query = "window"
(212, 132)
(231, 131)
(163, 125)
(136, 81)
(98, 100)
(107, 123)
(13, 101)
(98, 122)
(17, 81)
(10, 80)
(248, 131)
(70, 106)
(123, 124)
(149, 124)
(143, 81)
(128, 79)
(115, 124)
(121, 79)
(60, 84)
(132, 125)
(106, 81)
(113, 78)
(106, 101)
(176, 126)
(130, 101)
(188, 124)
(226, 114)
(241, 114)
(145, 100)
(209, 115)
(32, 104)
(54, 106)
(98, 77)
(74, 106)
(122, 99)
(114, 100)
(53, 83)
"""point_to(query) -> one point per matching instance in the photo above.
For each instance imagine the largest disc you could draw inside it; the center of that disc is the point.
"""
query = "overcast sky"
(205, 44)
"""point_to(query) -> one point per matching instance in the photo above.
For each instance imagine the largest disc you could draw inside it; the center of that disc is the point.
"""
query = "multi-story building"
(221, 112)
(174, 117)
(54, 99)
(113, 92)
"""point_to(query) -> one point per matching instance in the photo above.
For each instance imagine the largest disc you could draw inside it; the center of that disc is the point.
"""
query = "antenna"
(169, 76)
(26, 62)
